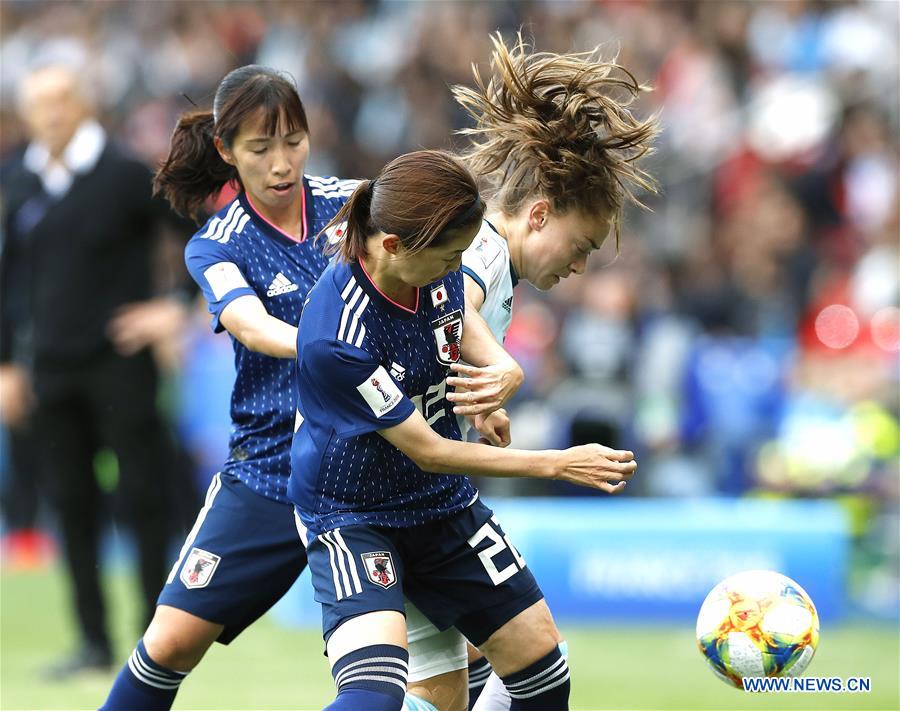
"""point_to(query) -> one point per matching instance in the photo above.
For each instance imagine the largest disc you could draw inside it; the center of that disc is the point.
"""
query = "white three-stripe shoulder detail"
(221, 229)
(355, 300)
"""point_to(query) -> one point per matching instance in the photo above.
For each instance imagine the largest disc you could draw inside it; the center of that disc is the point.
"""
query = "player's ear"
(538, 213)
(392, 244)
(226, 154)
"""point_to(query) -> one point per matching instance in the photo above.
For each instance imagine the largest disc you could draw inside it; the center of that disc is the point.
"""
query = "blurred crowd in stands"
(746, 336)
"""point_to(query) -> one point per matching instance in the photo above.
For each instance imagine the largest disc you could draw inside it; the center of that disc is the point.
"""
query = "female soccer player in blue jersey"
(255, 261)
(378, 471)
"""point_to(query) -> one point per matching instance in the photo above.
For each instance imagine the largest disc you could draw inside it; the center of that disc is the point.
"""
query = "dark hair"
(421, 197)
(557, 126)
(194, 170)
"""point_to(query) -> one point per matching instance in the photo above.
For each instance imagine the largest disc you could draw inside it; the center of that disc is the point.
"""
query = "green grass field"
(273, 668)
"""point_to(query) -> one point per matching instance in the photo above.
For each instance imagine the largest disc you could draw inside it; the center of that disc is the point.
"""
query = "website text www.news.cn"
(808, 684)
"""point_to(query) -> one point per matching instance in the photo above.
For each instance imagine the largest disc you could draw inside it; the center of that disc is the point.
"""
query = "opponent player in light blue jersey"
(255, 261)
(378, 471)
(559, 151)
(557, 145)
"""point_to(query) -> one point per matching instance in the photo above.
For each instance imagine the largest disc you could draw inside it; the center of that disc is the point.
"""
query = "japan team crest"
(448, 334)
(198, 569)
(379, 568)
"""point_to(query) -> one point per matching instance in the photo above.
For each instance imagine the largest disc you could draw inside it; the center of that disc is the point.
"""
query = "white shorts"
(432, 652)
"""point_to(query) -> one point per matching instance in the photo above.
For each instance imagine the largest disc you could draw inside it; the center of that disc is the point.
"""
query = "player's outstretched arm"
(590, 465)
(248, 321)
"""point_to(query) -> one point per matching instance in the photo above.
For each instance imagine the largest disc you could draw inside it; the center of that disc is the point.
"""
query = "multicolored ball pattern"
(757, 623)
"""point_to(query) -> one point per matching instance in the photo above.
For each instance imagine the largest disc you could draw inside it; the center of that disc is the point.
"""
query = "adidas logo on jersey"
(281, 285)
(507, 305)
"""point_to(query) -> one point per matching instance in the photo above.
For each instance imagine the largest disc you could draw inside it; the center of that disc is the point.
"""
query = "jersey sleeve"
(485, 262)
(357, 394)
(218, 274)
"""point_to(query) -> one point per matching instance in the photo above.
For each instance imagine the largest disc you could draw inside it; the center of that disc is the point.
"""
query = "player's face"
(271, 167)
(560, 247)
(433, 263)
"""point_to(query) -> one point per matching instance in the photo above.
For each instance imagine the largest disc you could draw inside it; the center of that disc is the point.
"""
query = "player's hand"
(493, 428)
(597, 467)
(136, 326)
(16, 396)
(483, 390)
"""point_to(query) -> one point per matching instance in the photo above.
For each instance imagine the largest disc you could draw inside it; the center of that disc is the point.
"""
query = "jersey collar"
(275, 233)
(383, 300)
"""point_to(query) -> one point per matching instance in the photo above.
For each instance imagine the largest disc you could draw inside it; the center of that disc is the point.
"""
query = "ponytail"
(356, 214)
(193, 170)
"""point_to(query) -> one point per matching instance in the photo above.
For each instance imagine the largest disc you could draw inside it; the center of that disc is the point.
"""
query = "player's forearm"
(248, 321)
(269, 336)
(478, 346)
(454, 457)
(433, 453)
(495, 378)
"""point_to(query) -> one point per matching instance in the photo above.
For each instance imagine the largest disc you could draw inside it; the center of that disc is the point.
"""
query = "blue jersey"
(236, 253)
(365, 364)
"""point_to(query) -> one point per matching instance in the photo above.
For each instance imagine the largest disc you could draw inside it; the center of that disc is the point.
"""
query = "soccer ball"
(757, 623)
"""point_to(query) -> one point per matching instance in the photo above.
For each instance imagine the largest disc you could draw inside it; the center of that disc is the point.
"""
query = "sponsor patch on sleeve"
(224, 277)
(380, 392)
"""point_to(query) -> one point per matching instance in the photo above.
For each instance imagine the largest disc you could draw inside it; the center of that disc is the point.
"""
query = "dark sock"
(544, 685)
(371, 678)
(143, 685)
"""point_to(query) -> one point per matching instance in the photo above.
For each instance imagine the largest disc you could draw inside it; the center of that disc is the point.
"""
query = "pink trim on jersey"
(276, 227)
(372, 282)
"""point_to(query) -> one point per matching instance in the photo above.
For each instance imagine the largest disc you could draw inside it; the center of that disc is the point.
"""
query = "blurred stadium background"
(744, 343)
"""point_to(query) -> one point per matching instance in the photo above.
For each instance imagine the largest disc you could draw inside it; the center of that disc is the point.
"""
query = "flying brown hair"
(557, 126)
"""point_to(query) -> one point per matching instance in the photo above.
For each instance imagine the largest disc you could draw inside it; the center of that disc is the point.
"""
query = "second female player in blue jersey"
(255, 261)
(378, 471)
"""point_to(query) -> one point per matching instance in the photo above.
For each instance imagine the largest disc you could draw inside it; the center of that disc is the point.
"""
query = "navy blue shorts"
(241, 557)
(460, 572)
